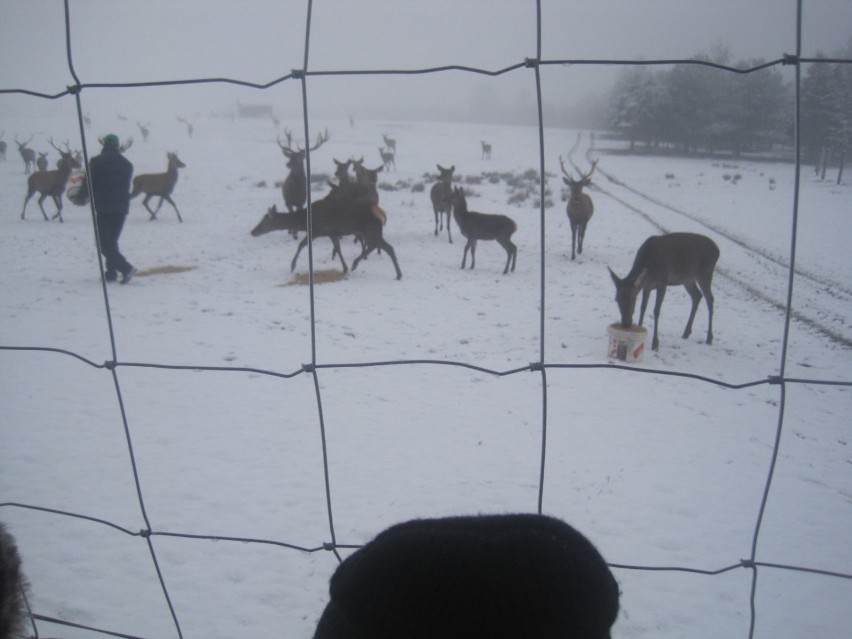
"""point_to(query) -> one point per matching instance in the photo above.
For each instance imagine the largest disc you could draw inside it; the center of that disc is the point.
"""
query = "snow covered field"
(658, 470)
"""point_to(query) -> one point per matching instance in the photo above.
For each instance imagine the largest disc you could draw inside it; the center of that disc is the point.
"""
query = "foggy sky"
(260, 40)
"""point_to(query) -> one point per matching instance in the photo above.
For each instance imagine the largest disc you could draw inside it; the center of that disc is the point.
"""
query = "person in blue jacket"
(110, 174)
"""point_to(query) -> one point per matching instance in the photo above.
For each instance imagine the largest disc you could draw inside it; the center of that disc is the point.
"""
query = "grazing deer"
(663, 260)
(483, 226)
(387, 159)
(334, 218)
(389, 142)
(27, 154)
(41, 162)
(486, 150)
(51, 183)
(145, 130)
(580, 207)
(2, 146)
(442, 198)
(159, 184)
(368, 179)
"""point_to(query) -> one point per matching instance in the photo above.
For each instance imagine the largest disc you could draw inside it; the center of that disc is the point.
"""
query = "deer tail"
(380, 214)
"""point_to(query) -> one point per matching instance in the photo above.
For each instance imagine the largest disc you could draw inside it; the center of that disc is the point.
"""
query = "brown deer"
(27, 154)
(295, 186)
(663, 260)
(51, 183)
(484, 226)
(389, 142)
(341, 171)
(368, 179)
(387, 159)
(580, 206)
(442, 198)
(334, 218)
(486, 150)
(159, 184)
(2, 146)
(144, 129)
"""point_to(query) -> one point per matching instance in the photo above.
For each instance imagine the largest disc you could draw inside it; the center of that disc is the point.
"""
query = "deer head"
(576, 186)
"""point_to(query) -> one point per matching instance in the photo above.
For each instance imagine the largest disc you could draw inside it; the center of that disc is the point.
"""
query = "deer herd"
(352, 208)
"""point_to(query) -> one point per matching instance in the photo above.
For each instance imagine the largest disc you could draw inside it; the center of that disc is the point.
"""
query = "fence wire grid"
(314, 368)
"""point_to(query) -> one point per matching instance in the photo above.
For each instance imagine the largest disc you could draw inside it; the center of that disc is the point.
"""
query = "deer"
(27, 154)
(580, 207)
(442, 198)
(145, 130)
(2, 146)
(662, 260)
(334, 218)
(51, 183)
(389, 142)
(295, 186)
(387, 159)
(484, 226)
(368, 179)
(341, 171)
(190, 126)
(41, 162)
(486, 150)
(159, 184)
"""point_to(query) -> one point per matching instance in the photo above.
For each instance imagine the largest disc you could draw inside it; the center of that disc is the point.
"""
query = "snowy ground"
(657, 470)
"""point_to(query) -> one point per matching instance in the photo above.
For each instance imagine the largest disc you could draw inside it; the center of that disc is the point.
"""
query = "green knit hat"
(110, 139)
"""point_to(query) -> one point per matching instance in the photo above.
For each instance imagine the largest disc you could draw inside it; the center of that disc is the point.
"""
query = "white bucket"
(626, 344)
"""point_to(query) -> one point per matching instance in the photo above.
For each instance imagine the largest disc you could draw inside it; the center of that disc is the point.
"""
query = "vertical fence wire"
(540, 367)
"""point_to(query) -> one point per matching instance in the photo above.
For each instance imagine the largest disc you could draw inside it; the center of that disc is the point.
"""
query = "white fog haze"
(192, 453)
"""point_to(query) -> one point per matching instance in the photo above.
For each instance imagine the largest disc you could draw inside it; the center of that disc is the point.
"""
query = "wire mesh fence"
(313, 370)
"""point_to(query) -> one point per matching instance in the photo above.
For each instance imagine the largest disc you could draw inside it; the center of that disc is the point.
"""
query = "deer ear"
(615, 279)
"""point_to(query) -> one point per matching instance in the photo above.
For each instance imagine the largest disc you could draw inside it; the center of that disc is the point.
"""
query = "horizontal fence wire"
(115, 365)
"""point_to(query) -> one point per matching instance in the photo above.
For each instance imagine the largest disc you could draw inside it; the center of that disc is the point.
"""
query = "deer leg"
(511, 251)
(573, 239)
(581, 234)
(40, 200)
(336, 241)
(704, 286)
(449, 219)
(695, 294)
(26, 199)
(152, 214)
(174, 206)
(302, 245)
(646, 295)
(658, 304)
(58, 201)
(437, 217)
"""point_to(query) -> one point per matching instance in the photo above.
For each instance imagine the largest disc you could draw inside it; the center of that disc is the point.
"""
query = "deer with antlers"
(295, 186)
(51, 183)
(27, 154)
(190, 125)
(160, 185)
(442, 198)
(688, 259)
(580, 207)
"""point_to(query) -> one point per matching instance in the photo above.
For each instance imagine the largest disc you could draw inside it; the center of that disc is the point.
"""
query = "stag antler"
(123, 147)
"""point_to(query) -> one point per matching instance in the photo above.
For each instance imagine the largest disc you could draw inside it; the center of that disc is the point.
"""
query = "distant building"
(254, 110)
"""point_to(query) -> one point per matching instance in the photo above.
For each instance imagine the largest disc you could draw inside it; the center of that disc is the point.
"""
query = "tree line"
(695, 109)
